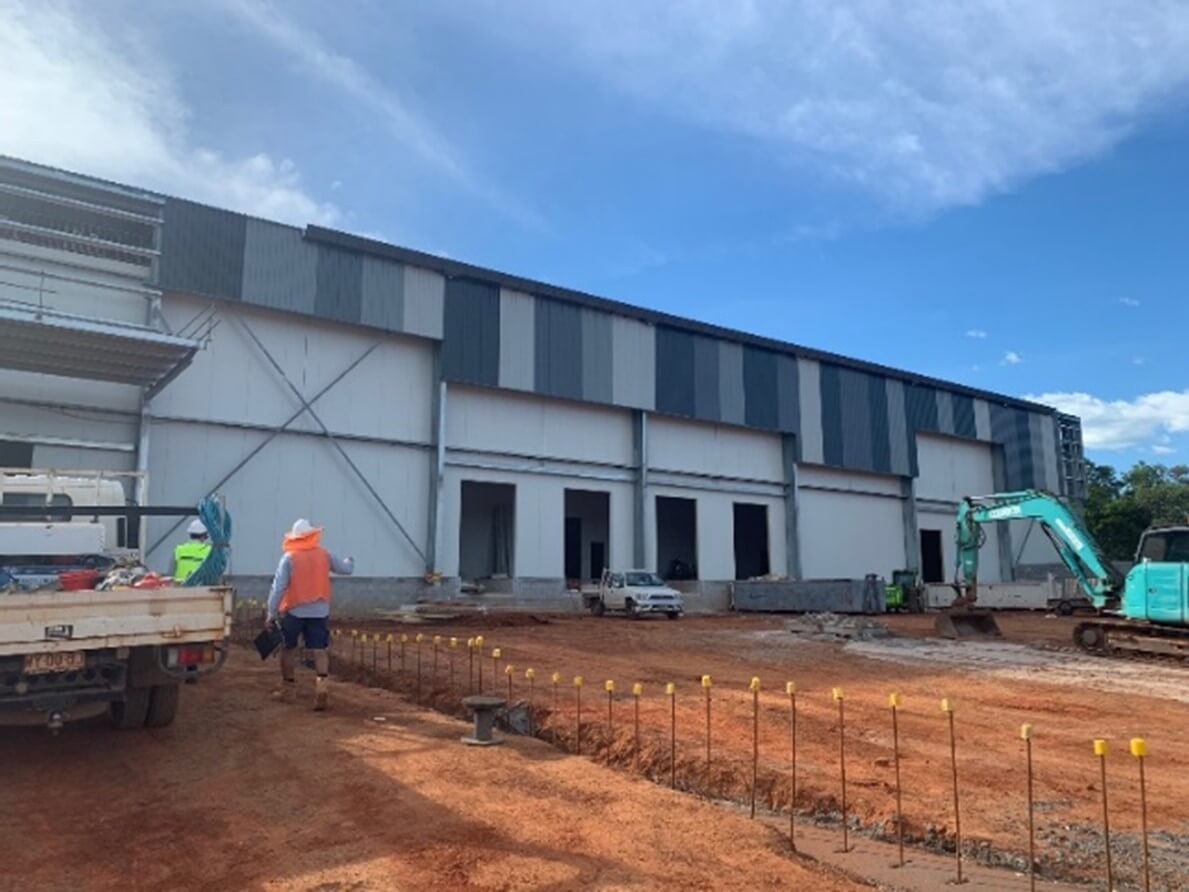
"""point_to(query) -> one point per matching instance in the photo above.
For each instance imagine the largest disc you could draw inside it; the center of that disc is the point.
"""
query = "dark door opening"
(676, 537)
(573, 546)
(751, 541)
(15, 455)
(487, 530)
(598, 559)
(932, 560)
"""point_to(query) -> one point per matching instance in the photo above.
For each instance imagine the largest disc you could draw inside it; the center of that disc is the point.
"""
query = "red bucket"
(78, 580)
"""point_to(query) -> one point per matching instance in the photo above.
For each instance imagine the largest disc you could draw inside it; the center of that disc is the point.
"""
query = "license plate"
(64, 661)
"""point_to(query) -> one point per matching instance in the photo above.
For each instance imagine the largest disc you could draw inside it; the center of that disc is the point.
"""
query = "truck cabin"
(1164, 545)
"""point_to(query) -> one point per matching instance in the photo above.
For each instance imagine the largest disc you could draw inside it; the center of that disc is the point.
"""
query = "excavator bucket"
(964, 625)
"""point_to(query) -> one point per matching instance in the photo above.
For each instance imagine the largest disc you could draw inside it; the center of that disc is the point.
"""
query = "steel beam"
(640, 490)
(792, 538)
(912, 533)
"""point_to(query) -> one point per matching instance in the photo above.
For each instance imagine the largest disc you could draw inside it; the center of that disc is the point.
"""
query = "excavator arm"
(1074, 545)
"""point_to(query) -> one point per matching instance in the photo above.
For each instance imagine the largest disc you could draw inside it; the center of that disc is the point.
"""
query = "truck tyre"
(673, 614)
(1065, 608)
(632, 611)
(130, 712)
(597, 607)
(163, 705)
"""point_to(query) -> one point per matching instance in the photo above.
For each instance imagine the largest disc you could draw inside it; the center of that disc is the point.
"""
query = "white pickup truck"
(634, 592)
(70, 652)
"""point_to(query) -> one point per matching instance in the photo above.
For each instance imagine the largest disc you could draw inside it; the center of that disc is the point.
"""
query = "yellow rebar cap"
(670, 688)
(637, 689)
(609, 686)
(790, 687)
(947, 705)
(496, 653)
(530, 673)
(1025, 731)
(754, 686)
(836, 693)
(705, 681)
(1139, 747)
(894, 700)
(1099, 746)
(556, 677)
(509, 669)
(577, 681)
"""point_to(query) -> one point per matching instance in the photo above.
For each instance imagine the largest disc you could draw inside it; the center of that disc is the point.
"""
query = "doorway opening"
(486, 534)
(587, 532)
(676, 537)
(751, 541)
(932, 560)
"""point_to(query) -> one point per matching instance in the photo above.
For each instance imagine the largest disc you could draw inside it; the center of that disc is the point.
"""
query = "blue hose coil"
(218, 528)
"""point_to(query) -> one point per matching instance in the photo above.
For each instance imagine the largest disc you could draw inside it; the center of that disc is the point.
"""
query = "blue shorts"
(315, 632)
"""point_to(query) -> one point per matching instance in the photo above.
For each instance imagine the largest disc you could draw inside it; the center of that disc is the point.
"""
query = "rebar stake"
(1139, 749)
(671, 690)
(1026, 736)
(948, 708)
(706, 688)
(755, 740)
(531, 675)
(553, 725)
(388, 642)
(1100, 749)
(838, 696)
(637, 690)
(609, 687)
(790, 688)
(578, 714)
(894, 702)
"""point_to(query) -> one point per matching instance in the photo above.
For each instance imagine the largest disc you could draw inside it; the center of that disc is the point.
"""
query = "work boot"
(321, 692)
(287, 692)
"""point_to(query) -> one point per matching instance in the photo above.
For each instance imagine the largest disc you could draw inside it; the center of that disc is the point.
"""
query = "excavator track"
(1118, 637)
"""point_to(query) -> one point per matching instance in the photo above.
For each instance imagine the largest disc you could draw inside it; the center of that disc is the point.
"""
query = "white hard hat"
(301, 527)
(197, 528)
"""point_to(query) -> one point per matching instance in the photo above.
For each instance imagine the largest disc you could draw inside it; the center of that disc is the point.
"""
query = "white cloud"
(1139, 360)
(1162, 449)
(928, 105)
(71, 97)
(1129, 301)
(1120, 424)
(975, 333)
(1011, 357)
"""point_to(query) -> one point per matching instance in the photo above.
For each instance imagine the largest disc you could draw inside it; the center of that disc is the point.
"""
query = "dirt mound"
(836, 627)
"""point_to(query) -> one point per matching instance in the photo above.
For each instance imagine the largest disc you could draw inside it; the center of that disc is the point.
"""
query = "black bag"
(268, 642)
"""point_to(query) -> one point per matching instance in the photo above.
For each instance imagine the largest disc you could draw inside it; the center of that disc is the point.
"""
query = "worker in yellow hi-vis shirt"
(189, 555)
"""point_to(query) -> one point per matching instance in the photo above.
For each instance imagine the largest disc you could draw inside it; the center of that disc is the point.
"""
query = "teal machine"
(1146, 611)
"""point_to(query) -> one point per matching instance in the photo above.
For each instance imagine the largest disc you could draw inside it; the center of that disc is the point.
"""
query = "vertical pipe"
(838, 696)
(1139, 749)
(791, 689)
(755, 740)
(948, 708)
(894, 702)
(1100, 749)
(1026, 735)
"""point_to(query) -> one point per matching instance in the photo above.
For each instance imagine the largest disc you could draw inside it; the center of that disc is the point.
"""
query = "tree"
(1120, 508)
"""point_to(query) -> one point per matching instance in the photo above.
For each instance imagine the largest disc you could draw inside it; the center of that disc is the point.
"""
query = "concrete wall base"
(810, 595)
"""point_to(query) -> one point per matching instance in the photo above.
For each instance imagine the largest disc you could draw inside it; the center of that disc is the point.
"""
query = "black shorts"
(314, 631)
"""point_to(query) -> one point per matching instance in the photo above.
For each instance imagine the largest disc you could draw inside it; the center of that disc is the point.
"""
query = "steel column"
(912, 533)
(792, 539)
(640, 490)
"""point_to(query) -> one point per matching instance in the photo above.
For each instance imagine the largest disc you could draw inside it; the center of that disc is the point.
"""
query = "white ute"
(634, 592)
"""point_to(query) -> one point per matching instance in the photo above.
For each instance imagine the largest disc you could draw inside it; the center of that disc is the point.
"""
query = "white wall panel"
(81, 292)
(809, 375)
(846, 535)
(294, 476)
(388, 395)
(718, 450)
(425, 300)
(952, 469)
(517, 339)
(809, 477)
(489, 420)
(633, 363)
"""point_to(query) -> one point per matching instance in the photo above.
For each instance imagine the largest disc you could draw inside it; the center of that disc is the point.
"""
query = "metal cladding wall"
(501, 331)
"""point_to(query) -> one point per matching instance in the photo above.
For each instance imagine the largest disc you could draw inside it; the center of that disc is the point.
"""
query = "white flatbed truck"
(637, 593)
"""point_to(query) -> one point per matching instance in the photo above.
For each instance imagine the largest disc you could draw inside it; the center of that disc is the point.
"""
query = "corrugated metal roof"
(33, 339)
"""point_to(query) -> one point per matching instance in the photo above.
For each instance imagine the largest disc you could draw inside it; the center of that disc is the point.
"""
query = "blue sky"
(994, 193)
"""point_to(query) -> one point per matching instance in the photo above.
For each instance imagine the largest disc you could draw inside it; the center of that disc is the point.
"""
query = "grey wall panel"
(877, 398)
(922, 408)
(340, 284)
(759, 388)
(1010, 428)
(899, 435)
(596, 356)
(471, 333)
(1048, 432)
(856, 419)
(382, 297)
(982, 419)
(706, 384)
(730, 383)
(945, 412)
(558, 366)
(424, 302)
(810, 403)
(280, 267)
(788, 396)
(633, 363)
(1036, 425)
(518, 339)
(964, 425)
(831, 415)
(675, 387)
(202, 250)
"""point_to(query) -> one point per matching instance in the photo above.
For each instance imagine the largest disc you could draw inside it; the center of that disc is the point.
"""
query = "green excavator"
(1144, 612)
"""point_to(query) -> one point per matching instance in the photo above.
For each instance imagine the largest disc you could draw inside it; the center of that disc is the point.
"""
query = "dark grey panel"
(877, 400)
(856, 420)
(831, 415)
(922, 408)
(471, 332)
(596, 356)
(730, 382)
(382, 301)
(280, 268)
(945, 412)
(759, 388)
(558, 329)
(964, 425)
(1036, 450)
(706, 368)
(202, 250)
(788, 394)
(675, 389)
(900, 436)
(1009, 427)
(340, 284)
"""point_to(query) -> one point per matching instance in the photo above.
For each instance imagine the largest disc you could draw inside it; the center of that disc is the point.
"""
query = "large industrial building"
(448, 424)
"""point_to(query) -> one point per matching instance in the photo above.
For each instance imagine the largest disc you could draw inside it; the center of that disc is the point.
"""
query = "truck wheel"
(1065, 608)
(163, 705)
(597, 607)
(632, 610)
(130, 712)
(673, 614)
